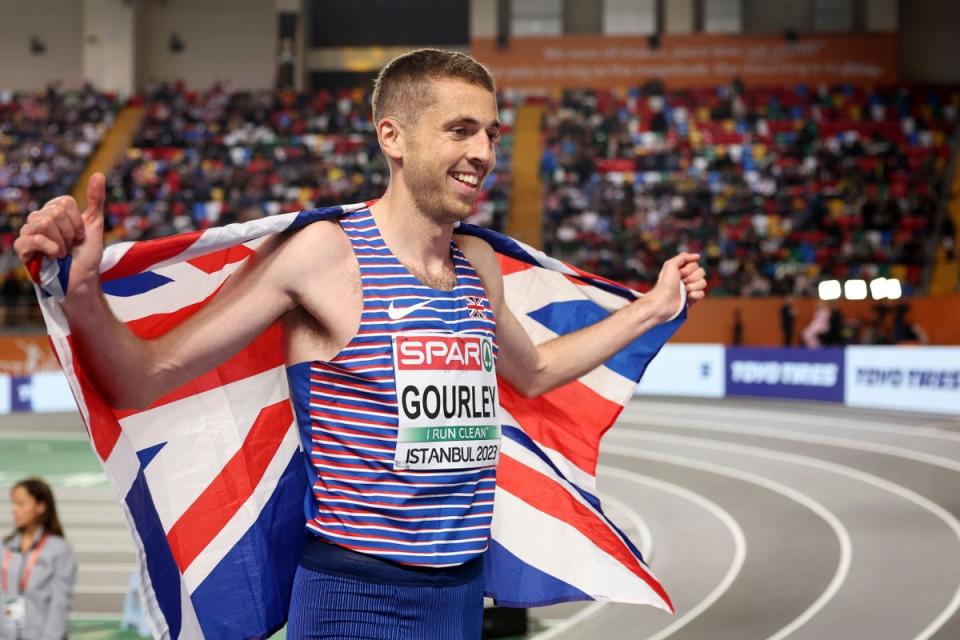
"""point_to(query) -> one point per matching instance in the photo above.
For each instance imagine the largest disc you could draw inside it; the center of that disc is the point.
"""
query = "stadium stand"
(776, 187)
(46, 139)
(218, 157)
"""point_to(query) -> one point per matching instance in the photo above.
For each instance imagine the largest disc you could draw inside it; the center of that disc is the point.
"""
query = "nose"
(480, 153)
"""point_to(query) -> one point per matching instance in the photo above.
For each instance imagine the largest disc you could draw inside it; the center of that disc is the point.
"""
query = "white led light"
(829, 290)
(893, 289)
(878, 288)
(855, 289)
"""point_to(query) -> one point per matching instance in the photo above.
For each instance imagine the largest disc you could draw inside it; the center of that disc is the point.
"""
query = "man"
(397, 520)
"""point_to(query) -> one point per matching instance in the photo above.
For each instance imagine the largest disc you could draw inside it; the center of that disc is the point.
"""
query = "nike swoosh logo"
(397, 314)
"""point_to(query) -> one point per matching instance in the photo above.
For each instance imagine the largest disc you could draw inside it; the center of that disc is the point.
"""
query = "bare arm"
(535, 369)
(132, 372)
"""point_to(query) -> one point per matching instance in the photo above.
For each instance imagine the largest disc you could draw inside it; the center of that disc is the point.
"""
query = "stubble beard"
(427, 191)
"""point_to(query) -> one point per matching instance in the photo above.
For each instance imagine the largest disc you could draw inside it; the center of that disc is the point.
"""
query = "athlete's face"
(450, 149)
(26, 509)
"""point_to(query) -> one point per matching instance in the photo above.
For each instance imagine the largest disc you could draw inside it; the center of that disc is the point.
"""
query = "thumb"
(96, 195)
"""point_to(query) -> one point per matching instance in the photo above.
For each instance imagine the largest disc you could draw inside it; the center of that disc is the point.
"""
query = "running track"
(784, 520)
(764, 520)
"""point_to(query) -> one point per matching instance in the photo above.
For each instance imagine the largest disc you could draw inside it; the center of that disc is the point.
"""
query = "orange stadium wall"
(711, 321)
(689, 60)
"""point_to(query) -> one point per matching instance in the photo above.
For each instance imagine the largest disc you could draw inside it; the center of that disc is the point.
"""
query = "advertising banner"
(795, 374)
(694, 60)
(25, 355)
(909, 378)
(691, 370)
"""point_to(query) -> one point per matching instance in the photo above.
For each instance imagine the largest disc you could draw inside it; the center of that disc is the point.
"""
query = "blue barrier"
(903, 378)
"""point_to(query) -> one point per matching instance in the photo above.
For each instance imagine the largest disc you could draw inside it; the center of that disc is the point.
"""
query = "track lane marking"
(839, 530)
(899, 490)
(646, 550)
(634, 410)
(799, 436)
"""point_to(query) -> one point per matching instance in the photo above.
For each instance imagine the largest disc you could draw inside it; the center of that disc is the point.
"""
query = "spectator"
(39, 571)
(788, 319)
(737, 336)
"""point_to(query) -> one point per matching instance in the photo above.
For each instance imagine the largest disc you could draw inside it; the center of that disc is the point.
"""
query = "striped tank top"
(409, 494)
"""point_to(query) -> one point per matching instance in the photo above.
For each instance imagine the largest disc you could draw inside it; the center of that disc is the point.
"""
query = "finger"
(64, 224)
(683, 258)
(689, 268)
(46, 227)
(33, 244)
(699, 274)
(696, 296)
(72, 214)
(96, 195)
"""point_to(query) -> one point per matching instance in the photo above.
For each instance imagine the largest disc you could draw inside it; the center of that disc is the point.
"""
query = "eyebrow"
(469, 120)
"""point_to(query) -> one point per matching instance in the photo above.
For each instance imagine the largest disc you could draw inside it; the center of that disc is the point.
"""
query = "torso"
(344, 389)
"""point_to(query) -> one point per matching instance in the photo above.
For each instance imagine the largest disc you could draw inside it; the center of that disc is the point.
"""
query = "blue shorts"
(340, 594)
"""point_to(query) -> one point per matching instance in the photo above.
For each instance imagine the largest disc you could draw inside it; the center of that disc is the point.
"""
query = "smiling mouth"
(469, 179)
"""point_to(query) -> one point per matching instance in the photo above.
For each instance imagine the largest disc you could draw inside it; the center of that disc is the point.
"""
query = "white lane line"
(739, 543)
(646, 550)
(796, 436)
(640, 411)
(31, 434)
(898, 490)
(638, 523)
(839, 530)
(736, 532)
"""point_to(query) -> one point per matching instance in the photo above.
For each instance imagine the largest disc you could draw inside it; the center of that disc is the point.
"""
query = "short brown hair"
(399, 88)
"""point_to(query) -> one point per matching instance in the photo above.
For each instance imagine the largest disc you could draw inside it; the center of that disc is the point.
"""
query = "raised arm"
(535, 369)
(130, 371)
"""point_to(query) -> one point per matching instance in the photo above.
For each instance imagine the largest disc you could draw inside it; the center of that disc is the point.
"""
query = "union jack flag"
(475, 305)
(211, 476)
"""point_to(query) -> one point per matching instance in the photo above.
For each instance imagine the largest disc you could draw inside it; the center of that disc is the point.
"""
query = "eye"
(459, 131)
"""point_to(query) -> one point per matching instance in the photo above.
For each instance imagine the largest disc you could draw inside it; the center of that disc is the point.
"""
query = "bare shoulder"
(484, 259)
(480, 254)
(323, 240)
(320, 249)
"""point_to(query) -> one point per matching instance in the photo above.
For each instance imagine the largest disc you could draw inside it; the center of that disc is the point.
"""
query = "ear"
(391, 138)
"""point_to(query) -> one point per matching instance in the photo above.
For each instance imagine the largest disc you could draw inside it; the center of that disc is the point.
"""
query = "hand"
(685, 269)
(60, 229)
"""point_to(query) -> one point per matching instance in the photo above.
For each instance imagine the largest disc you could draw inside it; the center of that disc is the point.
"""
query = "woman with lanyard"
(38, 571)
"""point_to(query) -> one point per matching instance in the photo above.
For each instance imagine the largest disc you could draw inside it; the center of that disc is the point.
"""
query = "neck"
(27, 534)
(412, 235)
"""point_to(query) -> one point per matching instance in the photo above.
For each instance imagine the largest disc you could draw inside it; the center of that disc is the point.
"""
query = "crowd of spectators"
(217, 157)
(199, 159)
(46, 140)
(777, 188)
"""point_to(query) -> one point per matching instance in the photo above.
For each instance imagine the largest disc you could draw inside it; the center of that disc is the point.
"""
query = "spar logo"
(444, 353)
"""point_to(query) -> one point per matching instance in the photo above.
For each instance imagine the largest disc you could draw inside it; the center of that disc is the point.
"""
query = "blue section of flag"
(64, 274)
(502, 569)
(313, 215)
(256, 602)
(148, 454)
(134, 285)
(631, 361)
(161, 567)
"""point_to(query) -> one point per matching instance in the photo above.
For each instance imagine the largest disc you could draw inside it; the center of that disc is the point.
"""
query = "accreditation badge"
(14, 611)
(448, 402)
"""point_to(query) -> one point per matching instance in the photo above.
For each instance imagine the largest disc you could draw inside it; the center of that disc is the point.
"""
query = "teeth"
(469, 178)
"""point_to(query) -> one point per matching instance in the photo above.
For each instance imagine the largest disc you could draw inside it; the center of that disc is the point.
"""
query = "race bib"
(14, 611)
(448, 402)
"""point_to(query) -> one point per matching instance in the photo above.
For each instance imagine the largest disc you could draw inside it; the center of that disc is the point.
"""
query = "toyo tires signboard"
(796, 374)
